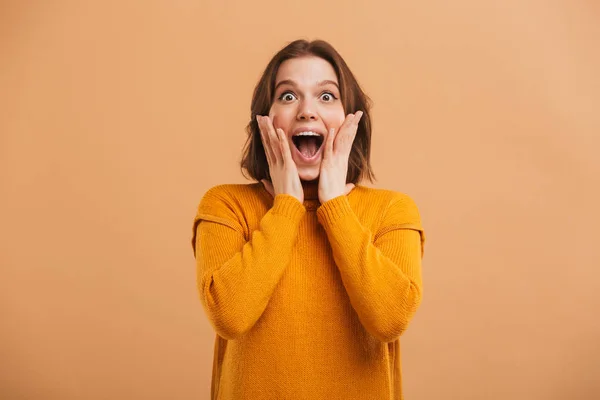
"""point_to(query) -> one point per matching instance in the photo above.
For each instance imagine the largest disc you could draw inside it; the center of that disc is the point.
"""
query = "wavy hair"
(254, 161)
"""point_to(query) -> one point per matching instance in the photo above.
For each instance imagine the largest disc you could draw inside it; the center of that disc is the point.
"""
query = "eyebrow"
(291, 82)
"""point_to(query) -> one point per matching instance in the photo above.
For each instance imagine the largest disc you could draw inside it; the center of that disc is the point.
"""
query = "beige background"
(117, 116)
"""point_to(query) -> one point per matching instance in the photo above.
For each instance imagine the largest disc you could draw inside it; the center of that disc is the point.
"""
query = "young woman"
(308, 277)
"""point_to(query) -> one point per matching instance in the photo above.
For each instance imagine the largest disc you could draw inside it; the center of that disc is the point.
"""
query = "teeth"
(307, 133)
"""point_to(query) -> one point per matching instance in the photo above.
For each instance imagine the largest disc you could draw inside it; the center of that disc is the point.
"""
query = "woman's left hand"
(334, 166)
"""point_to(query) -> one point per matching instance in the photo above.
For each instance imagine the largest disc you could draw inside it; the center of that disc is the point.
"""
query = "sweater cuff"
(289, 206)
(333, 210)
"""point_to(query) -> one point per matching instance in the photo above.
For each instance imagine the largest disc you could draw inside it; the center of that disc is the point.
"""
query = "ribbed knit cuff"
(289, 206)
(333, 210)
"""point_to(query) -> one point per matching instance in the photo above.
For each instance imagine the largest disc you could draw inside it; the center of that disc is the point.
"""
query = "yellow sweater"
(308, 301)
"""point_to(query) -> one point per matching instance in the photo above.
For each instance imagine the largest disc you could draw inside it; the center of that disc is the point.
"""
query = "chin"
(309, 175)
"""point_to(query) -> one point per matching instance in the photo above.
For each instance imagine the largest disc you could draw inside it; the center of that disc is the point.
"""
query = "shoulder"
(384, 198)
(393, 206)
(228, 205)
(398, 211)
(230, 193)
(225, 189)
(233, 200)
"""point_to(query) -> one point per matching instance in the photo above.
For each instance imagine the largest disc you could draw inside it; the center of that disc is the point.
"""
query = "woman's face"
(307, 98)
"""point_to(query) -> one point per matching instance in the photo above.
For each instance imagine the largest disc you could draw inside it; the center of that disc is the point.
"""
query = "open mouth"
(308, 146)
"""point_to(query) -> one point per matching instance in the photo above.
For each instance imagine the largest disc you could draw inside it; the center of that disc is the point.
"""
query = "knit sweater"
(308, 300)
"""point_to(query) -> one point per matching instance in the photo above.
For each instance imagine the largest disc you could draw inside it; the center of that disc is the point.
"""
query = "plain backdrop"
(117, 116)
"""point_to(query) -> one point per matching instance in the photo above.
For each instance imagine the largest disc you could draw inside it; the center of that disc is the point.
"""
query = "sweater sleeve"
(236, 277)
(381, 272)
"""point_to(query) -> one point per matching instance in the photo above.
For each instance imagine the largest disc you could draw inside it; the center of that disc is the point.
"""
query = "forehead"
(305, 71)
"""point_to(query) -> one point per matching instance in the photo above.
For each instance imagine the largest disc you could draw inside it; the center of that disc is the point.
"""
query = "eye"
(286, 93)
(329, 94)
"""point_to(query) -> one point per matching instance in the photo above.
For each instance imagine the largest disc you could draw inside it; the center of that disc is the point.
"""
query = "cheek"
(281, 119)
(335, 118)
(274, 116)
(341, 117)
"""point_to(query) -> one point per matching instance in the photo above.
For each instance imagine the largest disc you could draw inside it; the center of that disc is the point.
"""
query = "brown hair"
(254, 160)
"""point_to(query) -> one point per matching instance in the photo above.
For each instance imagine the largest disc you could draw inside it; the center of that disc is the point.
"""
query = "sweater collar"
(311, 189)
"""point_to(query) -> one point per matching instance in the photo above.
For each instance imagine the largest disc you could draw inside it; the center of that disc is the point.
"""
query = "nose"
(306, 112)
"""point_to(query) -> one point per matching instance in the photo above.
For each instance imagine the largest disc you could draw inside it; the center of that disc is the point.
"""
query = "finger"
(350, 133)
(328, 150)
(273, 139)
(354, 129)
(349, 119)
(357, 117)
(342, 132)
(265, 139)
(285, 146)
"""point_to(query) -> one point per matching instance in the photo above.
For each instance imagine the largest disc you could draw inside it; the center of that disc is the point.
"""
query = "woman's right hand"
(282, 168)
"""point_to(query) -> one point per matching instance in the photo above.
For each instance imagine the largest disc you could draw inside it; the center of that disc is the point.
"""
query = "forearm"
(383, 282)
(236, 278)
